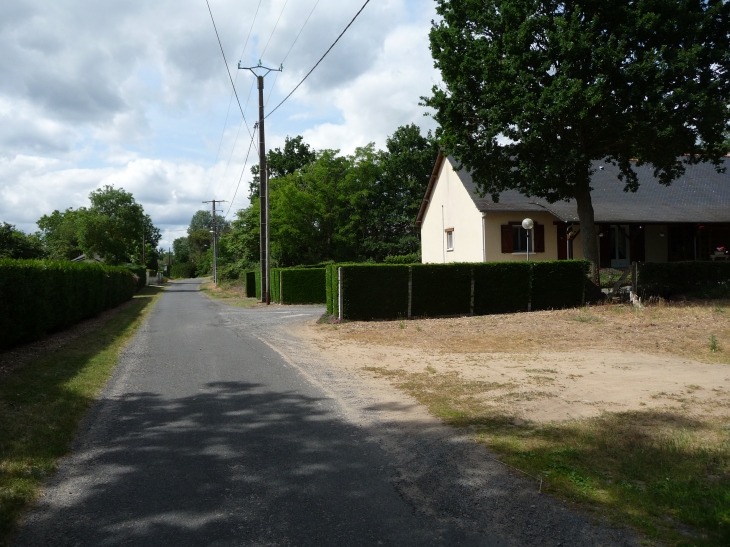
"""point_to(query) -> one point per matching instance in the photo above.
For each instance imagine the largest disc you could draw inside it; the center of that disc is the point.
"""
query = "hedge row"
(666, 279)
(382, 291)
(182, 270)
(37, 297)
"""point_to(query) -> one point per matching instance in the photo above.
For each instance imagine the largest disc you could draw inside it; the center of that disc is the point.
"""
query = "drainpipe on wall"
(484, 237)
(443, 236)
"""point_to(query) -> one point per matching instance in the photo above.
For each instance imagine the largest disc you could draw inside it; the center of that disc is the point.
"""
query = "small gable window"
(515, 238)
(449, 239)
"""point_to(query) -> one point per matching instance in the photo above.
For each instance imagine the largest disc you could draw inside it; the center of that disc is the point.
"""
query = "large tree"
(115, 227)
(536, 90)
(17, 244)
(296, 154)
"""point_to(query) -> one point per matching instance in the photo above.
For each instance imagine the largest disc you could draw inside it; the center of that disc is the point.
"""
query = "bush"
(182, 270)
(374, 292)
(37, 297)
(501, 287)
(559, 284)
(381, 291)
(413, 258)
(440, 289)
(302, 286)
(141, 273)
(666, 279)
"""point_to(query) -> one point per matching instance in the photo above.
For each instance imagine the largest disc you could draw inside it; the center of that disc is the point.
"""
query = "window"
(519, 240)
(514, 238)
(449, 239)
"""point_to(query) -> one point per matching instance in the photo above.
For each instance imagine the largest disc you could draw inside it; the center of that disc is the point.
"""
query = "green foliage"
(374, 292)
(535, 91)
(412, 258)
(441, 289)
(303, 286)
(182, 270)
(667, 279)
(559, 284)
(181, 249)
(250, 283)
(501, 287)
(141, 273)
(377, 291)
(37, 297)
(60, 234)
(296, 154)
(16, 244)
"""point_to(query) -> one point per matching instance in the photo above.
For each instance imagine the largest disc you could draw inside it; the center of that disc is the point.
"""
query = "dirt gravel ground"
(557, 365)
(441, 471)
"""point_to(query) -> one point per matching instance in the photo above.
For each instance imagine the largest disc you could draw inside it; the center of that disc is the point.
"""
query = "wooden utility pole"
(214, 231)
(265, 239)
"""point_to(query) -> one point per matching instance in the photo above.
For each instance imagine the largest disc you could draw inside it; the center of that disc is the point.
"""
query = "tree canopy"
(536, 90)
(16, 244)
(113, 227)
(329, 206)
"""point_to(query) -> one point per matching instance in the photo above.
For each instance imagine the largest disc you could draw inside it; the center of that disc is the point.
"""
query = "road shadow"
(234, 464)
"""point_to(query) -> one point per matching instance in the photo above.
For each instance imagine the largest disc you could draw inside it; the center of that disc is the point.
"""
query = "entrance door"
(620, 250)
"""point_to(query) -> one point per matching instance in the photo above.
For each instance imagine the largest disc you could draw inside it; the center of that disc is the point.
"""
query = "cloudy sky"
(135, 94)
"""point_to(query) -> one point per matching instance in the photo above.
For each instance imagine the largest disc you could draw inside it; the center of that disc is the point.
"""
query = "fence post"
(410, 290)
(339, 293)
(529, 301)
(635, 278)
(471, 301)
(281, 287)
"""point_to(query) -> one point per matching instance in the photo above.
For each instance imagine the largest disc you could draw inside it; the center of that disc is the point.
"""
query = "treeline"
(326, 206)
(113, 229)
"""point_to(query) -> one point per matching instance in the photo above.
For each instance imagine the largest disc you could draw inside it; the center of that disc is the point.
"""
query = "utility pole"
(265, 241)
(214, 231)
(144, 262)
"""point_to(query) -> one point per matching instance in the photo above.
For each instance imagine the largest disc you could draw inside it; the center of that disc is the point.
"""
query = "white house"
(688, 220)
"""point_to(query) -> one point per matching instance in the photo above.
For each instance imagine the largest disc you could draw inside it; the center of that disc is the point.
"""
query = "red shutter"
(506, 238)
(539, 238)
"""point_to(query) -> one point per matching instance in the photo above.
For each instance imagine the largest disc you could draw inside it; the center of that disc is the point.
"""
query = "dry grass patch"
(623, 411)
(683, 329)
(664, 473)
(233, 292)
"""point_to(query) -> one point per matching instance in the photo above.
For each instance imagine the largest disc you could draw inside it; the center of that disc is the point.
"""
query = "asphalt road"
(206, 436)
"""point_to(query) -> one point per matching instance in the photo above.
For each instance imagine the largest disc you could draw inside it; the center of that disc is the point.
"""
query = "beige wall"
(493, 236)
(459, 213)
(657, 248)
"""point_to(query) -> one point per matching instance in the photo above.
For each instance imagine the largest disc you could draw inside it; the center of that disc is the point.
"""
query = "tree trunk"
(588, 230)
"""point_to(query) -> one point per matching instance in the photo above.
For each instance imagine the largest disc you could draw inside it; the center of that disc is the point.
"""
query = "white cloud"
(135, 94)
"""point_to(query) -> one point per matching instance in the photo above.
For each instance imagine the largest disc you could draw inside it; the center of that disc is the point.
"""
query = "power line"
(243, 170)
(320, 60)
(290, 48)
(274, 29)
(225, 61)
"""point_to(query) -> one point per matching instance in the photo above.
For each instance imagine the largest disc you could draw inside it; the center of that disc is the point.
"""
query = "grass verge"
(663, 473)
(233, 292)
(43, 402)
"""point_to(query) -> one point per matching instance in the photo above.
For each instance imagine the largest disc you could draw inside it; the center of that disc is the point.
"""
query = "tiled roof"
(700, 195)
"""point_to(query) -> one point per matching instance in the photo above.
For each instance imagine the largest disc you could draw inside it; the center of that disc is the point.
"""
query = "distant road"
(206, 436)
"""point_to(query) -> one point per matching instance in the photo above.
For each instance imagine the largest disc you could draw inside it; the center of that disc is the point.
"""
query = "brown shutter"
(539, 238)
(506, 238)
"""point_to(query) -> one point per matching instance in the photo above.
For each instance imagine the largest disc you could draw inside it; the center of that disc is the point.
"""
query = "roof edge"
(429, 189)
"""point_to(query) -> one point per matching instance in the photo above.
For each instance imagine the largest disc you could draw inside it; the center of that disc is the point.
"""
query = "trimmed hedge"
(559, 284)
(182, 270)
(37, 297)
(501, 287)
(302, 286)
(677, 278)
(381, 291)
(440, 289)
(141, 273)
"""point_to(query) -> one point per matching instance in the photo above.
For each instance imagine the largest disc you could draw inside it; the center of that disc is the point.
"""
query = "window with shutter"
(539, 231)
(506, 238)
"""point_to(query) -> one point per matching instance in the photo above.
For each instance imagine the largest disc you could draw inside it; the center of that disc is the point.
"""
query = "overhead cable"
(320, 60)
(290, 48)
(243, 169)
(225, 61)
